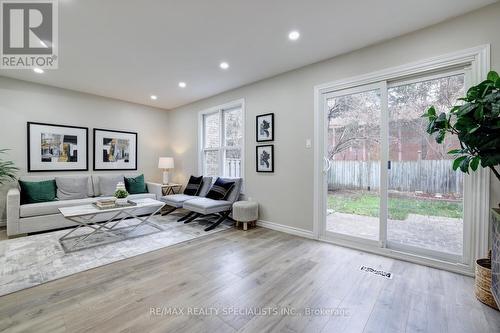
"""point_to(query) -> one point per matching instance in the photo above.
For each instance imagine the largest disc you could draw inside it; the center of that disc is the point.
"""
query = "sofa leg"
(17, 236)
(221, 219)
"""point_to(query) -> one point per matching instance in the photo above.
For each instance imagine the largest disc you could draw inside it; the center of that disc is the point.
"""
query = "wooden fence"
(429, 176)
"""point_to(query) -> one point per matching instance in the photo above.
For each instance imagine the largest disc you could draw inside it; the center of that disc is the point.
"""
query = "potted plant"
(121, 194)
(7, 169)
(476, 123)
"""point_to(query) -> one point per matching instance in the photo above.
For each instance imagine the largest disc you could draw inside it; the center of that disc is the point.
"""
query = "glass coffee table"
(86, 216)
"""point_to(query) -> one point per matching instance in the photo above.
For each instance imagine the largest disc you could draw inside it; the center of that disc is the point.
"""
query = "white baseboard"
(286, 229)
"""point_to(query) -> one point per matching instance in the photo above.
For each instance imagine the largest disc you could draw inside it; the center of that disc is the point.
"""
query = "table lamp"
(165, 163)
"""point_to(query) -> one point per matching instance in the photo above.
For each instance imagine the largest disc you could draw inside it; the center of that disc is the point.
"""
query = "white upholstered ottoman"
(245, 212)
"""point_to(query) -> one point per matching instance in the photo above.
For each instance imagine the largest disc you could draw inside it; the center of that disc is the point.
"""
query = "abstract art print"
(265, 158)
(265, 127)
(115, 150)
(57, 147)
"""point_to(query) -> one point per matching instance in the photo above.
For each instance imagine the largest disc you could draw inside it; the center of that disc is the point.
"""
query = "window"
(221, 144)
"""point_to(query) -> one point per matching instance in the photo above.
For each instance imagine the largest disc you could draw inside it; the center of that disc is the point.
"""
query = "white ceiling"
(129, 49)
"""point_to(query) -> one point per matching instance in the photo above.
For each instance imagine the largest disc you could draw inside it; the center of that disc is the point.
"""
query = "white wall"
(21, 102)
(286, 197)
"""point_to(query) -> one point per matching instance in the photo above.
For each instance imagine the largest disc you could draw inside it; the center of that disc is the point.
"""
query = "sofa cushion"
(70, 188)
(36, 192)
(207, 206)
(235, 192)
(176, 200)
(193, 186)
(48, 208)
(135, 185)
(30, 178)
(107, 184)
(205, 186)
(220, 189)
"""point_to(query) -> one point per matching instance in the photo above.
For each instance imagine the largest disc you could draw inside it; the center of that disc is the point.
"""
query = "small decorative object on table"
(106, 203)
(121, 194)
(246, 212)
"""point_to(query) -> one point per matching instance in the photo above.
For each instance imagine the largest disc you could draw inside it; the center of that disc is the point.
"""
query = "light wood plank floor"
(241, 275)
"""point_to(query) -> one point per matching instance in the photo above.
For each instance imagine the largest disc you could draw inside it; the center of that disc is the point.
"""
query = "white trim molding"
(286, 229)
(475, 62)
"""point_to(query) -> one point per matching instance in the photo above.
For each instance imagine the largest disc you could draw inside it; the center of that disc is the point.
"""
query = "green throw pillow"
(136, 185)
(36, 192)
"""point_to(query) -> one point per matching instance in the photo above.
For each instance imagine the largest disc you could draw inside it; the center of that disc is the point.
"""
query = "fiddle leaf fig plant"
(476, 123)
(7, 169)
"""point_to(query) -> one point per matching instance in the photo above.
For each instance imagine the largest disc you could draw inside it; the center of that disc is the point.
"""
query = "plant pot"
(482, 287)
(121, 201)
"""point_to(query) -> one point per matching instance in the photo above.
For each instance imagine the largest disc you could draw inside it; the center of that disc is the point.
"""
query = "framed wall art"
(57, 147)
(115, 150)
(264, 124)
(265, 158)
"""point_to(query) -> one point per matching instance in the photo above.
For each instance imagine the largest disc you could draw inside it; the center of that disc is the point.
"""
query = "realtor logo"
(29, 36)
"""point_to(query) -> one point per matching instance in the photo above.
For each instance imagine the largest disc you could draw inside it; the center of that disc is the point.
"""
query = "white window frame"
(476, 62)
(219, 109)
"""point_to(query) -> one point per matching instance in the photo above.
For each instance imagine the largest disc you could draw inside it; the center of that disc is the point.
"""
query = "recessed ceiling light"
(38, 70)
(224, 65)
(293, 35)
(182, 84)
(154, 97)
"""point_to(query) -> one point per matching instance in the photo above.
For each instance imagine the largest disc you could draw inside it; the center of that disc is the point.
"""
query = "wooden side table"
(168, 189)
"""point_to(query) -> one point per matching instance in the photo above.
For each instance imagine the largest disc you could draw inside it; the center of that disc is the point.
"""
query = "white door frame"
(476, 193)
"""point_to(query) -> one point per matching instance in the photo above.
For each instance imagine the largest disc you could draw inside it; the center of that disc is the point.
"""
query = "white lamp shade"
(166, 163)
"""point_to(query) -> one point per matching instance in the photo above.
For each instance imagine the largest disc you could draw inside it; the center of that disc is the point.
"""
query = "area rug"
(29, 261)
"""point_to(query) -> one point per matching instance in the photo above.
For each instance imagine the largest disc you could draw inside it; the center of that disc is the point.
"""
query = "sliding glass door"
(387, 182)
(353, 162)
(425, 194)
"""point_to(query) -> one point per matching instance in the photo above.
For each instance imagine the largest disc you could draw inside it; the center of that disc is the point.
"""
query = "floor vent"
(387, 275)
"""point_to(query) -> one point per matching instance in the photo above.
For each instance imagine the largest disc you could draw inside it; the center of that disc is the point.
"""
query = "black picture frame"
(29, 149)
(271, 138)
(257, 158)
(95, 150)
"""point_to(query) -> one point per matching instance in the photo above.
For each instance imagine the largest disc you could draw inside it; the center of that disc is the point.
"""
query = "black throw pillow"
(220, 189)
(194, 185)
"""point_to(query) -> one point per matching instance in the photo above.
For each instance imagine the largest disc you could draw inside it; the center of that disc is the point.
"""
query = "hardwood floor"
(241, 275)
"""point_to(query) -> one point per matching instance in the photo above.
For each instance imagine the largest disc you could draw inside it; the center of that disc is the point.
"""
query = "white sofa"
(28, 218)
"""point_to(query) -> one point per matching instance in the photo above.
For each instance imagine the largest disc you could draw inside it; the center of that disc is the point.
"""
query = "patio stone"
(436, 233)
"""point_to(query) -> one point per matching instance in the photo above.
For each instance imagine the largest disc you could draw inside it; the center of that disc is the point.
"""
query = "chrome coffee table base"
(84, 217)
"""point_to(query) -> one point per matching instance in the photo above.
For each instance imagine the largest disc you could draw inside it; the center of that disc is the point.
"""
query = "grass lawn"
(399, 208)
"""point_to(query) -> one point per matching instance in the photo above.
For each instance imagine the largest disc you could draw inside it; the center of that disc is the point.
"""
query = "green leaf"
(455, 151)
(464, 165)
(475, 128)
(465, 109)
(497, 83)
(440, 137)
(458, 161)
(472, 93)
(430, 112)
(475, 163)
(479, 113)
(493, 76)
